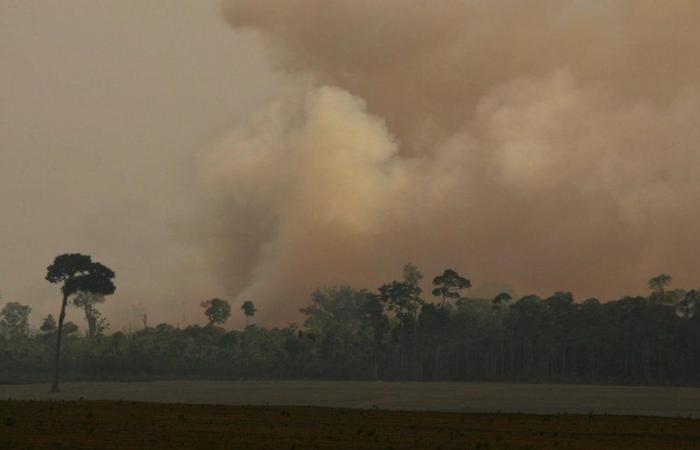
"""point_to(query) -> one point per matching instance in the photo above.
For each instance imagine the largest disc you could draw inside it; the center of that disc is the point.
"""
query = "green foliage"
(401, 297)
(341, 327)
(249, 310)
(88, 301)
(48, 325)
(217, 311)
(71, 329)
(449, 284)
(690, 304)
(14, 320)
(393, 334)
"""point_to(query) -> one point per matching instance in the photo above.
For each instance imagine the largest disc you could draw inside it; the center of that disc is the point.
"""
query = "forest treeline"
(397, 332)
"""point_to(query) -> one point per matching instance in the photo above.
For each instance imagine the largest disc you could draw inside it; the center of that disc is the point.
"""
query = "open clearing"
(90, 424)
(447, 397)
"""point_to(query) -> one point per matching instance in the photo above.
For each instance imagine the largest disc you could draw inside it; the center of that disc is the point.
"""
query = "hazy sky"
(546, 144)
(102, 106)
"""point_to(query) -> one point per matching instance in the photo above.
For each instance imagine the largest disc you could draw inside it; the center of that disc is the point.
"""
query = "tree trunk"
(92, 323)
(59, 335)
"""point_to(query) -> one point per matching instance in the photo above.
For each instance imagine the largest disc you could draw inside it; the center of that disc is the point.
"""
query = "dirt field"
(90, 424)
(448, 397)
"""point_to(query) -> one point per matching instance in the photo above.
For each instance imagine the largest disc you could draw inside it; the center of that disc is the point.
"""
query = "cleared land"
(447, 397)
(88, 424)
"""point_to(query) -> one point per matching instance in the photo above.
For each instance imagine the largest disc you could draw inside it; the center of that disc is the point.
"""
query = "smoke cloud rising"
(548, 144)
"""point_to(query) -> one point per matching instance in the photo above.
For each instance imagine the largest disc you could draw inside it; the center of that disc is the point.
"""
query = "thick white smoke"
(551, 145)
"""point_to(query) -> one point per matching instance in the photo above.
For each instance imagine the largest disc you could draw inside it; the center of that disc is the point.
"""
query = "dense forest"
(397, 332)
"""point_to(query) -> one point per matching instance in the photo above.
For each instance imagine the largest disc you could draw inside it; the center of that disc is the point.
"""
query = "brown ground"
(409, 396)
(116, 424)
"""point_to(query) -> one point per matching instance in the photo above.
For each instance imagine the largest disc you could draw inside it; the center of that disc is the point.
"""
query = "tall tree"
(402, 297)
(249, 311)
(433, 325)
(449, 284)
(88, 301)
(658, 286)
(337, 317)
(411, 274)
(217, 311)
(14, 320)
(374, 315)
(75, 273)
(500, 302)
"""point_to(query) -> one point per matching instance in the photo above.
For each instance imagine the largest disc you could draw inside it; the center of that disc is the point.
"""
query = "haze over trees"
(391, 333)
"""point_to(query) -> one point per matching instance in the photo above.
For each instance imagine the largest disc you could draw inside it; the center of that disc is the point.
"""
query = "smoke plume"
(548, 144)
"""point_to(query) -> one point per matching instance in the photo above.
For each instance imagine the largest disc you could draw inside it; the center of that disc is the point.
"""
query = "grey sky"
(102, 106)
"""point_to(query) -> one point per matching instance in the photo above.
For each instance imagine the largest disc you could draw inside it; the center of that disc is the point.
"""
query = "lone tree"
(76, 273)
(449, 284)
(249, 310)
(217, 311)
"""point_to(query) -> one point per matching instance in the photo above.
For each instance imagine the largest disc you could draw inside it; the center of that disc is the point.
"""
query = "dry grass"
(118, 424)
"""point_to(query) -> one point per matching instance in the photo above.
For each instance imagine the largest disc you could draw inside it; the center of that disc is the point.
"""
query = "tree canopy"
(249, 310)
(449, 284)
(393, 333)
(14, 320)
(76, 272)
(217, 311)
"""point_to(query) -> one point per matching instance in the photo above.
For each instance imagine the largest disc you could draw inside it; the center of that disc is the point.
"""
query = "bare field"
(117, 424)
(446, 397)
